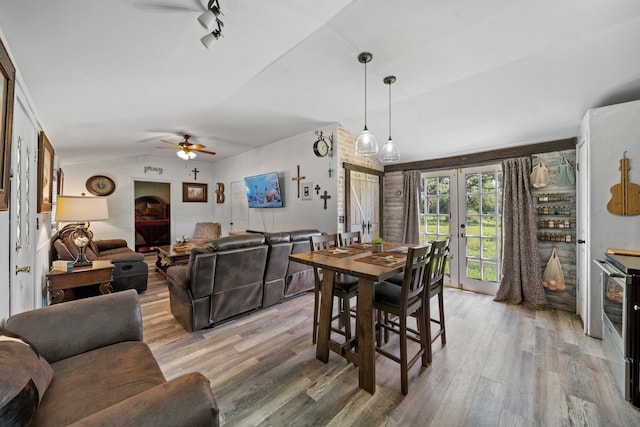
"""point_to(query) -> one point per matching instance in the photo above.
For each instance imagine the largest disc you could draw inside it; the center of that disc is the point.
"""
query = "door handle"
(581, 241)
(26, 269)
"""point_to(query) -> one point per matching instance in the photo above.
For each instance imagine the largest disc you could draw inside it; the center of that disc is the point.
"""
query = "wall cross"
(298, 178)
(317, 188)
(195, 173)
(324, 197)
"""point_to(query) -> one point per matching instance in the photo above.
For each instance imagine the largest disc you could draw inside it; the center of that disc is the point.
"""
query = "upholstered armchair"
(205, 232)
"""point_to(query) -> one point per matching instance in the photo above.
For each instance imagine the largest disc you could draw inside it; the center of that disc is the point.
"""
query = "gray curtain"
(411, 202)
(521, 277)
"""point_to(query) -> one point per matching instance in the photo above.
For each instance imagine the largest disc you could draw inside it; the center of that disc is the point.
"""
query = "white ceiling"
(471, 75)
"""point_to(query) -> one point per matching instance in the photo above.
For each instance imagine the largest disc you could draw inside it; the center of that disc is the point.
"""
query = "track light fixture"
(366, 144)
(389, 152)
(211, 22)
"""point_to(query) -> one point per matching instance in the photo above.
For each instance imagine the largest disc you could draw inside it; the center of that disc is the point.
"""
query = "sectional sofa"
(236, 275)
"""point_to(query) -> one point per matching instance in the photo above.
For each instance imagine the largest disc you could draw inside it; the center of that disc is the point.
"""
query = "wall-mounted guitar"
(625, 197)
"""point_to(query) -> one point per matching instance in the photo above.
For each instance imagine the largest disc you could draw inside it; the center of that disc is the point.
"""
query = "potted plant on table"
(377, 244)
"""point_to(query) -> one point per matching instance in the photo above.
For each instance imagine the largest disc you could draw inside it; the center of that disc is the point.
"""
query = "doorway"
(363, 198)
(152, 214)
(465, 205)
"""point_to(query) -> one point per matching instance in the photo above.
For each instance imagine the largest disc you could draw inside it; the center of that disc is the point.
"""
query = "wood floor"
(502, 366)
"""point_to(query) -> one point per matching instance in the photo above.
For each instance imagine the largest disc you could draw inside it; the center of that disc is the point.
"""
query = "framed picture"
(192, 192)
(45, 173)
(307, 191)
(7, 86)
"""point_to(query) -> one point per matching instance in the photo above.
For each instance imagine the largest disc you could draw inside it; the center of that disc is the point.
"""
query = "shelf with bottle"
(556, 237)
(553, 197)
(554, 210)
(554, 223)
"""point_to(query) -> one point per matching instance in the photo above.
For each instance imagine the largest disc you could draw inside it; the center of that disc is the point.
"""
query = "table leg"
(106, 288)
(366, 330)
(324, 319)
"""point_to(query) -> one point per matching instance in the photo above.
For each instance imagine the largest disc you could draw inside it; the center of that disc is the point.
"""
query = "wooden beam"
(491, 156)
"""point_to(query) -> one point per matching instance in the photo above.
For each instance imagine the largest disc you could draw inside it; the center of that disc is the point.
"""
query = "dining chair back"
(350, 237)
(401, 302)
(345, 287)
(435, 280)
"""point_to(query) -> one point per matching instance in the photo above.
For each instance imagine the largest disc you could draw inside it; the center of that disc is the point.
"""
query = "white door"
(239, 207)
(364, 213)
(583, 267)
(24, 293)
(466, 206)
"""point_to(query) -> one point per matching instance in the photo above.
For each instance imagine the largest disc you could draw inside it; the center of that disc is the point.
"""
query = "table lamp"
(81, 210)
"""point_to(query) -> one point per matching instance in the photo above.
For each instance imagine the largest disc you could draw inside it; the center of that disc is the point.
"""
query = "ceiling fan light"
(208, 40)
(366, 144)
(389, 152)
(207, 19)
(191, 155)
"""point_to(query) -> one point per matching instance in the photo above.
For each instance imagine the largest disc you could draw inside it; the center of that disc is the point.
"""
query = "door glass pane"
(435, 203)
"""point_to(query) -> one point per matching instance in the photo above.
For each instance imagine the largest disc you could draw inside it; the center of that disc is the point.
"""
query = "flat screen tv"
(263, 191)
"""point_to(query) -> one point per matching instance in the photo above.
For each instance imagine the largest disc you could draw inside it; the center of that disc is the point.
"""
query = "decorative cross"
(298, 178)
(195, 174)
(324, 197)
(317, 188)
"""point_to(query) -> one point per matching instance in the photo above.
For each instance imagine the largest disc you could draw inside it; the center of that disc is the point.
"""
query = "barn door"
(364, 209)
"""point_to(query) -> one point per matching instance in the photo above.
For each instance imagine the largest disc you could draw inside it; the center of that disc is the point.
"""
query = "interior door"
(583, 265)
(466, 206)
(22, 289)
(364, 212)
(239, 207)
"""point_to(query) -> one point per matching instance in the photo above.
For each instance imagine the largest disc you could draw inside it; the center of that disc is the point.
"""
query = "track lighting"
(210, 20)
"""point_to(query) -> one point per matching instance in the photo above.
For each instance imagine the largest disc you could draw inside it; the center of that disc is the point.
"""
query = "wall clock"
(100, 185)
(321, 148)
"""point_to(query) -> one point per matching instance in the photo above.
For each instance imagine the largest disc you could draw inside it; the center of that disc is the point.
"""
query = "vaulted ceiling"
(112, 78)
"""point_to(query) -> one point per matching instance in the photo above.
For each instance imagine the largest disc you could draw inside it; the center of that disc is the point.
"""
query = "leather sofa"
(131, 270)
(91, 368)
(221, 281)
(238, 274)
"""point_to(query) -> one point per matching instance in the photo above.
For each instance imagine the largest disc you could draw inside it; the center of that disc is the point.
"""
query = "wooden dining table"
(362, 352)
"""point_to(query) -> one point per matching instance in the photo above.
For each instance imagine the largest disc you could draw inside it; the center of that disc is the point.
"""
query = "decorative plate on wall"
(100, 185)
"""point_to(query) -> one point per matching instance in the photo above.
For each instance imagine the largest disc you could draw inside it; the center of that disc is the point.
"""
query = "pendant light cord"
(365, 96)
(389, 111)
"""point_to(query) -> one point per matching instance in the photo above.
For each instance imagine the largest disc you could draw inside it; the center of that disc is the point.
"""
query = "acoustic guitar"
(625, 196)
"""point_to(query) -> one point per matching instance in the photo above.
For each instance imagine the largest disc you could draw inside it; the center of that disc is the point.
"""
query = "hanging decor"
(366, 144)
(389, 151)
(625, 196)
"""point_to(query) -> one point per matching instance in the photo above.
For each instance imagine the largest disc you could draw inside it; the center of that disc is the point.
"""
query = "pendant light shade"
(389, 152)
(366, 144)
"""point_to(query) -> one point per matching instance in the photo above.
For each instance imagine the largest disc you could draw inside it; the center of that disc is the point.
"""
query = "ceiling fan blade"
(196, 146)
(205, 152)
(166, 7)
(172, 143)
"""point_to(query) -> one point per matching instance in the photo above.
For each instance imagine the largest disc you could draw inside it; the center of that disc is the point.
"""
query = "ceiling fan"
(187, 150)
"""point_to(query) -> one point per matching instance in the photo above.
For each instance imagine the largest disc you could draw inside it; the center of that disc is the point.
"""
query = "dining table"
(356, 260)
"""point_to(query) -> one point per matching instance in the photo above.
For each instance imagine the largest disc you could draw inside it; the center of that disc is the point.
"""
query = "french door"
(465, 205)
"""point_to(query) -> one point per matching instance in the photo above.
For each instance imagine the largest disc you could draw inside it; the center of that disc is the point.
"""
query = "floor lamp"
(81, 210)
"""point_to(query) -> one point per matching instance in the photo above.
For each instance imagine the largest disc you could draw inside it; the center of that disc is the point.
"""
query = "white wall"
(148, 168)
(283, 157)
(612, 130)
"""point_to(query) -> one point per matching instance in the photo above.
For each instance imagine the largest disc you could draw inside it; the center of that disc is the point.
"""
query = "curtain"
(411, 202)
(521, 277)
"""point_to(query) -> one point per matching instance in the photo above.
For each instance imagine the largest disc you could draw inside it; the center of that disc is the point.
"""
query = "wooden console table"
(58, 281)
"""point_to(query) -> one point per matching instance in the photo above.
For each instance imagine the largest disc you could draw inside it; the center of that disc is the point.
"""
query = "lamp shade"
(207, 19)
(366, 144)
(79, 208)
(208, 40)
(389, 152)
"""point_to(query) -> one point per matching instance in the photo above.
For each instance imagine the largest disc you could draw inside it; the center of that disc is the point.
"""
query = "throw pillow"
(24, 377)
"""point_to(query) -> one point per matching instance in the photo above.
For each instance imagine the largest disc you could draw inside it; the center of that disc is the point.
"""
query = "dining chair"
(350, 237)
(345, 287)
(403, 302)
(438, 261)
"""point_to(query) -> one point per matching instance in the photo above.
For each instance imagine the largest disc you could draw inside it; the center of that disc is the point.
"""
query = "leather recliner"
(299, 277)
(219, 282)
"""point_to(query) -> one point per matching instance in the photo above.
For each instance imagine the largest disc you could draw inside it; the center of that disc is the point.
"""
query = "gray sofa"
(103, 374)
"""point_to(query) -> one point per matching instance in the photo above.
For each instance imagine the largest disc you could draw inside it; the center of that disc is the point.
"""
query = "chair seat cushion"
(89, 382)
(346, 283)
(396, 280)
(387, 293)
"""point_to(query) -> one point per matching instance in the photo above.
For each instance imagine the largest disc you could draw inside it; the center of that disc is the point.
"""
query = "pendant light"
(366, 144)
(389, 152)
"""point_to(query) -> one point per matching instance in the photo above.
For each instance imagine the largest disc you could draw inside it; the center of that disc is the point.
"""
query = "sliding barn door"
(364, 212)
